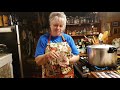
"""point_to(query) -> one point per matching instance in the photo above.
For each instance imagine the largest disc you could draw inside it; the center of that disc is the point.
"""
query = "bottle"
(13, 19)
(16, 20)
(76, 20)
(10, 20)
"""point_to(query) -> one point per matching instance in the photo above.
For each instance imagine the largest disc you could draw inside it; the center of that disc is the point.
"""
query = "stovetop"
(84, 67)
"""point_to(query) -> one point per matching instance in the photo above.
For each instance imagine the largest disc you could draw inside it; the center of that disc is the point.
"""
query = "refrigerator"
(10, 36)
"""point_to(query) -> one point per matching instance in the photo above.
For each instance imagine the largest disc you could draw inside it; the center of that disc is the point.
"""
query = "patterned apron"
(52, 69)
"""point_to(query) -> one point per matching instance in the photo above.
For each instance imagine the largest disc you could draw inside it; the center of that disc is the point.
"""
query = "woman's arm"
(67, 61)
(41, 59)
(74, 59)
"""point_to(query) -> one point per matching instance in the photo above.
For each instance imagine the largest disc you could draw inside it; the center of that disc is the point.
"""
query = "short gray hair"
(59, 14)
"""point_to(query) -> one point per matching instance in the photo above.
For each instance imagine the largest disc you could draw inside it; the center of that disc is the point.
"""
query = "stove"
(83, 68)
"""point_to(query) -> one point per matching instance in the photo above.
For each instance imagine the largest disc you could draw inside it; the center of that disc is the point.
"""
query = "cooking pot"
(102, 55)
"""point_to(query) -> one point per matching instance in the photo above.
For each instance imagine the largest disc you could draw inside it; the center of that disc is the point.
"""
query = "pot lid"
(103, 46)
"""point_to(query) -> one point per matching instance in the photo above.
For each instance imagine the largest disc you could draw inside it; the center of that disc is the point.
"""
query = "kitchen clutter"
(81, 44)
(101, 39)
(116, 42)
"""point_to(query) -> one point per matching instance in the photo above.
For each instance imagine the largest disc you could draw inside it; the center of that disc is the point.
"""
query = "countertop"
(6, 68)
(5, 58)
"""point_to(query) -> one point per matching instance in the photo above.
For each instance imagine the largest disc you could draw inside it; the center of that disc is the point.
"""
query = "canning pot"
(102, 55)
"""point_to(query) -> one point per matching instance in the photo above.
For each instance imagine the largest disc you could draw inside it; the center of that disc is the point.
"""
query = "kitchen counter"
(104, 74)
(6, 68)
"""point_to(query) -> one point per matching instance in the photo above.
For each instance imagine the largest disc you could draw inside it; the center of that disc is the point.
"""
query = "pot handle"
(112, 50)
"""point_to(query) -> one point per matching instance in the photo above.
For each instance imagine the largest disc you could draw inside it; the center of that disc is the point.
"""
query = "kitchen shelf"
(82, 24)
(83, 35)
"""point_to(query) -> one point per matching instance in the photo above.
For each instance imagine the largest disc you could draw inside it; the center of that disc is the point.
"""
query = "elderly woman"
(56, 51)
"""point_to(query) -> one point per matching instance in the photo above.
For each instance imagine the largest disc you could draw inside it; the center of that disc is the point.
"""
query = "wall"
(106, 23)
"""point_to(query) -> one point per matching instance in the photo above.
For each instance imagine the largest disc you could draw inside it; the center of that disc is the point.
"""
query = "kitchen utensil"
(105, 37)
(95, 40)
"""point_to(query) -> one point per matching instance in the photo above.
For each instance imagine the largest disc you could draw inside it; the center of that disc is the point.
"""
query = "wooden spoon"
(95, 40)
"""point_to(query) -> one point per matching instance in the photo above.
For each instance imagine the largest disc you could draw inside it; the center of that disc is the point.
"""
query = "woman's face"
(57, 26)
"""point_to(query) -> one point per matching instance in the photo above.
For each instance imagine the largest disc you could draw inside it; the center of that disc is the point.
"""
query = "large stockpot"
(102, 55)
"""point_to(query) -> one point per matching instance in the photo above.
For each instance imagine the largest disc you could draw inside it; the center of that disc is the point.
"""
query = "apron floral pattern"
(52, 69)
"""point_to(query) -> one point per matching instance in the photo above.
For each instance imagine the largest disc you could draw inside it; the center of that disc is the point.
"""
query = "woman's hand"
(52, 55)
(61, 57)
(63, 61)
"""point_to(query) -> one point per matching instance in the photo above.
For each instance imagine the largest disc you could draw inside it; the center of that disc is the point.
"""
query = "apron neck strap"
(63, 38)
(49, 38)
(61, 35)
